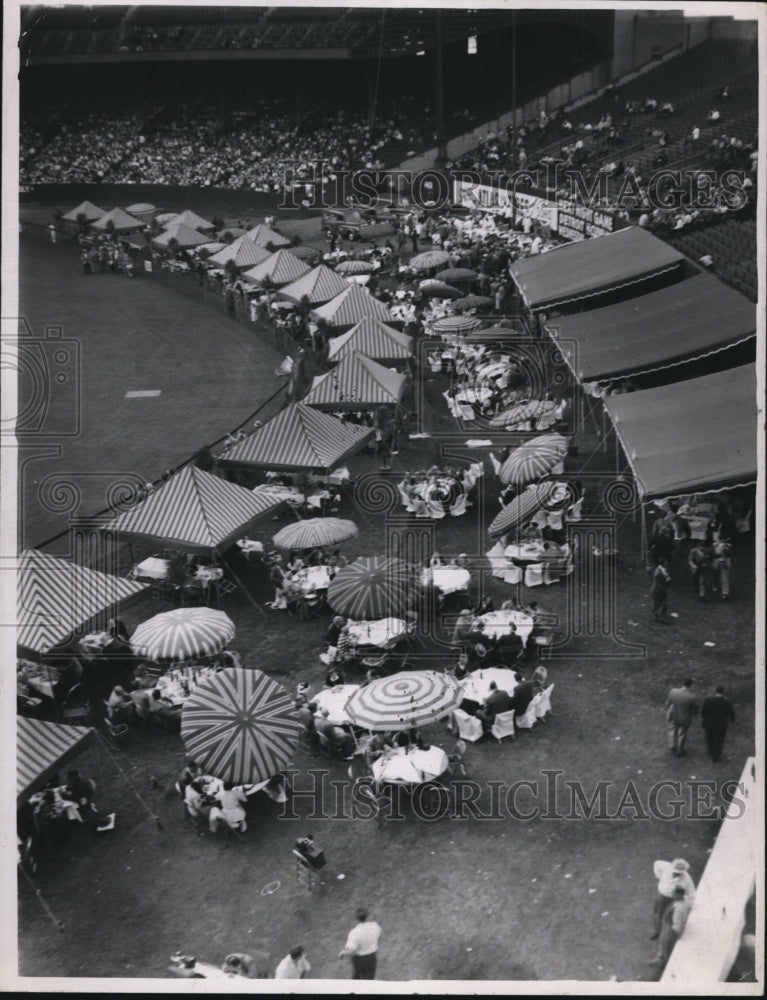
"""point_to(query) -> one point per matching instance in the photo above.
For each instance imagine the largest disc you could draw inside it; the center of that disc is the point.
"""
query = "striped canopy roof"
(240, 726)
(243, 251)
(263, 235)
(351, 306)
(299, 438)
(320, 285)
(120, 219)
(55, 597)
(183, 234)
(373, 338)
(357, 383)
(190, 218)
(86, 208)
(280, 268)
(43, 747)
(195, 510)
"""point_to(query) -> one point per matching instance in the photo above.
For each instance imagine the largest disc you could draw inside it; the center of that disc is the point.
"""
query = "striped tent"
(280, 268)
(195, 510)
(320, 285)
(240, 726)
(41, 749)
(357, 383)
(121, 221)
(351, 306)
(373, 587)
(374, 339)
(299, 439)
(243, 251)
(86, 208)
(264, 236)
(183, 234)
(56, 597)
(523, 507)
(190, 218)
(183, 634)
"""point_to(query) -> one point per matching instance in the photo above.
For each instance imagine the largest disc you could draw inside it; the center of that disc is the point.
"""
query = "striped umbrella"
(183, 634)
(493, 334)
(533, 460)
(315, 532)
(474, 302)
(439, 289)
(410, 698)
(457, 274)
(533, 409)
(522, 507)
(373, 587)
(430, 258)
(305, 253)
(240, 726)
(355, 267)
(456, 324)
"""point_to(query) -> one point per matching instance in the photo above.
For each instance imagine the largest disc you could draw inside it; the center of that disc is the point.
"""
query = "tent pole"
(604, 429)
(151, 812)
(643, 536)
(51, 915)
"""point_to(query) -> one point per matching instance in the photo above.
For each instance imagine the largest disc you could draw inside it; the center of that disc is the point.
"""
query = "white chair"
(552, 572)
(435, 362)
(495, 463)
(329, 656)
(499, 564)
(574, 512)
(554, 520)
(503, 725)
(459, 507)
(467, 412)
(542, 702)
(512, 575)
(528, 720)
(534, 575)
(468, 727)
(420, 508)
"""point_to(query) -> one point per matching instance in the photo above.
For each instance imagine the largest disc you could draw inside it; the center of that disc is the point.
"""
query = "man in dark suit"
(717, 713)
(510, 645)
(496, 703)
(523, 695)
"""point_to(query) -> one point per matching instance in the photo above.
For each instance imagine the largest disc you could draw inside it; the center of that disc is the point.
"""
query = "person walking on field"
(722, 565)
(673, 925)
(681, 709)
(717, 713)
(699, 561)
(669, 874)
(362, 946)
(661, 582)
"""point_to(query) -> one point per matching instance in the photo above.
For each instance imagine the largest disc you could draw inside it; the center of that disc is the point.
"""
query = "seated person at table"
(295, 563)
(302, 694)
(374, 748)
(228, 809)
(190, 773)
(163, 707)
(496, 703)
(337, 561)
(237, 965)
(347, 648)
(334, 677)
(483, 655)
(510, 604)
(195, 800)
(141, 676)
(140, 698)
(463, 627)
(476, 635)
(52, 818)
(462, 560)
(334, 630)
(461, 669)
(485, 605)
(340, 740)
(316, 557)
(532, 532)
(523, 695)
(79, 790)
(510, 645)
(119, 703)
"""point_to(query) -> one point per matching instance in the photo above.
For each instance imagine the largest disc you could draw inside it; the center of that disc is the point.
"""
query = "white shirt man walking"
(362, 946)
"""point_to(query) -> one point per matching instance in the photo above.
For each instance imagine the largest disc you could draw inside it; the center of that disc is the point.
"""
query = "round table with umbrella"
(429, 259)
(355, 267)
(183, 634)
(533, 460)
(533, 409)
(550, 495)
(315, 532)
(403, 701)
(438, 289)
(469, 302)
(456, 325)
(372, 588)
(240, 726)
(492, 334)
(453, 274)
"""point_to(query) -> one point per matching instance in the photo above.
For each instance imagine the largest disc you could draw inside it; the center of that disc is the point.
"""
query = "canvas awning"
(41, 749)
(195, 510)
(183, 234)
(87, 209)
(299, 439)
(580, 270)
(55, 597)
(690, 436)
(264, 236)
(351, 306)
(374, 339)
(243, 251)
(121, 221)
(280, 268)
(688, 320)
(358, 383)
(320, 285)
(192, 219)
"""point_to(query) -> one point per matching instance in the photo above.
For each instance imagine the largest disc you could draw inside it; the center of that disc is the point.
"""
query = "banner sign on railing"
(576, 222)
(468, 194)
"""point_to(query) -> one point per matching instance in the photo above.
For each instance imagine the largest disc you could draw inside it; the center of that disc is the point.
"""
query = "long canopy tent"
(357, 383)
(87, 210)
(579, 271)
(56, 597)
(299, 439)
(43, 748)
(181, 235)
(374, 339)
(689, 437)
(280, 268)
(197, 511)
(319, 285)
(683, 322)
(242, 251)
(120, 221)
(190, 218)
(265, 236)
(351, 306)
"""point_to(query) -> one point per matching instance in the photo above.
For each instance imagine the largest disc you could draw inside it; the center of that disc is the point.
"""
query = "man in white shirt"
(362, 945)
(670, 875)
(294, 965)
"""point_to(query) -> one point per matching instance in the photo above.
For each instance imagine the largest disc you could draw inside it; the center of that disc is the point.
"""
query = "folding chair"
(543, 704)
(534, 575)
(513, 575)
(468, 727)
(528, 720)
(503, 725)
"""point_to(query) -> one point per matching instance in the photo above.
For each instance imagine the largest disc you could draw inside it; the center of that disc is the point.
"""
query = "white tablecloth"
(152, 568)
(497, 623)
(447, 579)
(208, 574)
(480, 395)
(172, 684)
(405, 765)
(378, 633)
(334, 699)
(477, 685)
(312, 579)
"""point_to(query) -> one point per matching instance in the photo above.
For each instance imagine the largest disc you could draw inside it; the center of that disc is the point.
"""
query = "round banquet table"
(312, 578)
(447, 579)
(497, 624)
(409, 765)
(476, 687)
(529, 552)
(376, 633)
(334, 699)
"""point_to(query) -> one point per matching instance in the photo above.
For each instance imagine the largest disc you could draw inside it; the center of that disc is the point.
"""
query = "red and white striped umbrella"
(183, 634)
(410, 698)
(240, 726)
(533, 460)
